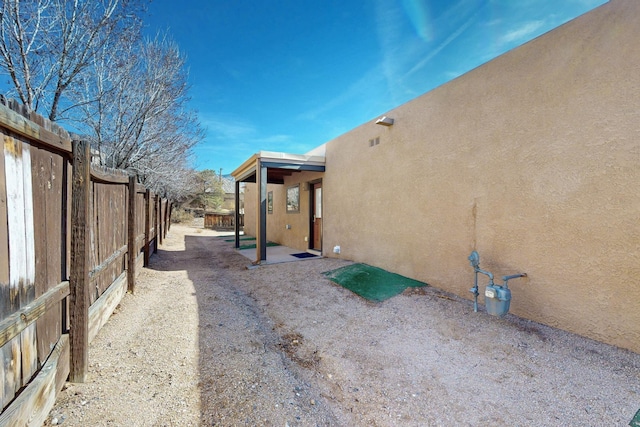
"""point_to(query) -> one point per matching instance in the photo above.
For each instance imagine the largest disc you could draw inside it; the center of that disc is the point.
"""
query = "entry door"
(317, 216)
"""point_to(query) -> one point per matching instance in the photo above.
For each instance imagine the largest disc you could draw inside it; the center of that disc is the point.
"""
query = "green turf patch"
(253, 246)
(372, 283)
(241, 239)
(635, 422)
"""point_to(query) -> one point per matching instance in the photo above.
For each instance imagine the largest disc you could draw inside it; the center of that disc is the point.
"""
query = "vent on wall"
(374, 141)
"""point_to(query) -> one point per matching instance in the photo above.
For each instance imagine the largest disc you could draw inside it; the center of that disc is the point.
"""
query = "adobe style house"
(532, 159)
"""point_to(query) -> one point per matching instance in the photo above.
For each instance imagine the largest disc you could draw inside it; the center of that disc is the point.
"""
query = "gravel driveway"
(206, 341)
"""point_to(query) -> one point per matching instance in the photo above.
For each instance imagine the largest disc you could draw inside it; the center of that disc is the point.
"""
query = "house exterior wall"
(250, 209)
(293, 237)
(532, 159)
(249, 227)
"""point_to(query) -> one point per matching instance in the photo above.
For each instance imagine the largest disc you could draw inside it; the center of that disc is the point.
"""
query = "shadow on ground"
(282, 345)
(248, 367)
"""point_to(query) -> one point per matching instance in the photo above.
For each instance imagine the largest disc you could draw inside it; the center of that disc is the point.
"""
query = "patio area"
(280, 254)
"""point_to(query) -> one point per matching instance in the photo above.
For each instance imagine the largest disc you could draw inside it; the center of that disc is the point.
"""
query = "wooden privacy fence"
(222, 221)
(71, 238)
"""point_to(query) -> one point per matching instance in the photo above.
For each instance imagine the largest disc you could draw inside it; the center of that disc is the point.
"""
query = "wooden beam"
(108, 176)
(12, 325)
(79, 278)
(132, 246)
(14, 122)
(99, 269)
(33, 405)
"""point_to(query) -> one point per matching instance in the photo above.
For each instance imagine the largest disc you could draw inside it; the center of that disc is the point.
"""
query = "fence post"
(166, 218)
(79, 277)
(132, 247)
(158, 217)
(147, 225)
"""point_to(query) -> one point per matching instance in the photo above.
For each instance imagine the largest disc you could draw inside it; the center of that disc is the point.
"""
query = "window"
(293, 199)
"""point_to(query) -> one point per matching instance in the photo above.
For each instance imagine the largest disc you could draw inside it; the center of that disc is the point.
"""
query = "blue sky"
(289, 75)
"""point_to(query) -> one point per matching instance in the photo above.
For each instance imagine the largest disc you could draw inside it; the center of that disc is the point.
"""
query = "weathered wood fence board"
(101, 310)
(20, 353)
(5, 303)
(71, 237)
(12, 325)
(108, 234)
(50, 242)
(33, 405)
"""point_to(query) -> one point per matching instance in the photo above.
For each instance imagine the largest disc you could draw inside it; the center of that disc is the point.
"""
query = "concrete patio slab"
(279, 254)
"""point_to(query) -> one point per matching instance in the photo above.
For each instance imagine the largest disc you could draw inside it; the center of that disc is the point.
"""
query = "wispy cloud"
(220, 127)
(393, 47)
(590, 3)
(273, 139)
(442, 45)
(524, 31)
(371, 79)
(401, 55)
(223, 131)
(450, 75)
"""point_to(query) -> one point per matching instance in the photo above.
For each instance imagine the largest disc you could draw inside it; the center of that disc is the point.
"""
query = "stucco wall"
(294, 237)
(532, 159)
(250, 208)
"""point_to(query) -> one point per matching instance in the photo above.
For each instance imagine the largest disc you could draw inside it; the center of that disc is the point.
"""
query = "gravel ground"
(206, 341)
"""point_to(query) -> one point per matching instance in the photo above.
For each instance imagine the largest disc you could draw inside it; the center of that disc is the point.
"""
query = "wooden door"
(317, 216)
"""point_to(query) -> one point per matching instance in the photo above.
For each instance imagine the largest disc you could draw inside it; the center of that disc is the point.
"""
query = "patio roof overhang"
(267, 167)
(278, 166)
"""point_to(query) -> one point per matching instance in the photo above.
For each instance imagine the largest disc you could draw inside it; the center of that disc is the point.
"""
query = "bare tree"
(22, 29)
(45, 45)
(135, 107)
(85, 61)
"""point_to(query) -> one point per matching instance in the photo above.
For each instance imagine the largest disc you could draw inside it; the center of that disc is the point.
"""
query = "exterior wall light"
(384, 121)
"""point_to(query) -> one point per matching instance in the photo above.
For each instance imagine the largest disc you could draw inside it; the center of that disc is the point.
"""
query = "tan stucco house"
(532, 159)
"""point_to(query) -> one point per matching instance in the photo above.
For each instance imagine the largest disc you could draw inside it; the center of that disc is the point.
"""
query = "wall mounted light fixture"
(384, 121)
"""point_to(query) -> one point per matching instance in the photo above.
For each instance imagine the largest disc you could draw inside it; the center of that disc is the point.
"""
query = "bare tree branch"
(86, 62)
(46, 44)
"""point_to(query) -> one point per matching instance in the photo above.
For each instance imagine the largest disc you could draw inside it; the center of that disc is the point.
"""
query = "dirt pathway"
(206, 341)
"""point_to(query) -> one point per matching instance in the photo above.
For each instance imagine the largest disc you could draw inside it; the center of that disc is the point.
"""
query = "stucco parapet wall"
(248, 167)
(320, 150)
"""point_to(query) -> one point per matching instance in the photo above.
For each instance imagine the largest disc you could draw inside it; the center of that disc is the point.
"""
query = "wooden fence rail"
(72, 236)
(222, 221)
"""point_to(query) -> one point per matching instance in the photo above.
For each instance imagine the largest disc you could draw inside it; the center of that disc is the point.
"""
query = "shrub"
(180, 215)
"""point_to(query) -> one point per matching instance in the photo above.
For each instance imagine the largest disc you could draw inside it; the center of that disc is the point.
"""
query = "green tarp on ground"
(253, 246)
(635, 422)
(247, 244)
(241, 239)
(372, 283)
